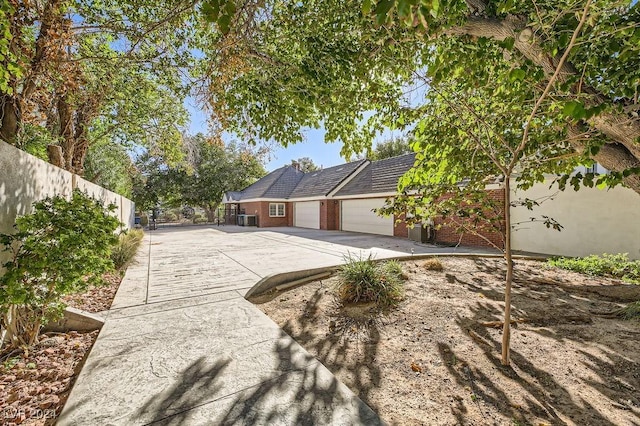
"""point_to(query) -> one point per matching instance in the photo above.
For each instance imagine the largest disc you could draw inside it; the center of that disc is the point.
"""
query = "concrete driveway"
(182, 346)
(193, 261)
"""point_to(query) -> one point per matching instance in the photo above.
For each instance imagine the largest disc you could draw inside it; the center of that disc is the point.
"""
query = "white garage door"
(307, 214)
(358, 217)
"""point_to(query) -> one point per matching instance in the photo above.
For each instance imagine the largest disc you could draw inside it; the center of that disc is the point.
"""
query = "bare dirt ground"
(35, 385)
(435, 360)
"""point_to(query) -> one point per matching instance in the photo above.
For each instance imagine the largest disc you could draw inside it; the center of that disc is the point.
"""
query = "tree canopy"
(297, 65)
(390, 148)
(75, 73)
(212, 169)
(305, 164)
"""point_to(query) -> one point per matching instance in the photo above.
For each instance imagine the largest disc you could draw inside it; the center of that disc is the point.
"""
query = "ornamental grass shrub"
(365, 280)
(126, 248)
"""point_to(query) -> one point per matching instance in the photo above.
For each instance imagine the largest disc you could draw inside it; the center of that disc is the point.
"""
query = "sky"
(323, 154)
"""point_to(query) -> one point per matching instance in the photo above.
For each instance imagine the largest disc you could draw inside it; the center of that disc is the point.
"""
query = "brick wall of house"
(261, 210)
(448, 235)
(289, 214)
(400, 228)
(329, 215)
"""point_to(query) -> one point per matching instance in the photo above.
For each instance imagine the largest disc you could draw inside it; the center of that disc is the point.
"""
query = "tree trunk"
(506, 333)
(622, 129)
(210, 211)
(55, 155)
(10, 123)
(65, 116)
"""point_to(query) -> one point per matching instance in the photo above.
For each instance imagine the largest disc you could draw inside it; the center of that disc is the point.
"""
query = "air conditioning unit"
(422, 233)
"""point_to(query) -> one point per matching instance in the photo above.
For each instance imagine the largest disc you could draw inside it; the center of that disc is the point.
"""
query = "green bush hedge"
(607, 265)
(63, 247)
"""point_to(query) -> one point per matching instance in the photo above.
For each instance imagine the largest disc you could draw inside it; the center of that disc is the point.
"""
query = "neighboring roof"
(233, 196)
(379, 176)
(322, 182)
(277, 184)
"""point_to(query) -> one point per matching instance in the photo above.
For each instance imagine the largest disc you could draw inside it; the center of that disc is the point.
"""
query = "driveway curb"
(304, 276)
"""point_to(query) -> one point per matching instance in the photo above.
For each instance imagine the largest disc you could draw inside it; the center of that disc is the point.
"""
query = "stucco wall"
(595, 221)
(25, 179)
(125, 208)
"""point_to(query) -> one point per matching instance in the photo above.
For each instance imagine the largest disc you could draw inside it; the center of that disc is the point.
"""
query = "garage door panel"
(307, 214)
(357, 216)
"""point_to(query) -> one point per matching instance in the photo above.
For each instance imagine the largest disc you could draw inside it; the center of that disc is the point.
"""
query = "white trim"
(349, 178)
(302, 199)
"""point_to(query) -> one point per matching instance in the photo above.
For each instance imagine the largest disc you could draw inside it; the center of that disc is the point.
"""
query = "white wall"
(595, 221)
(125, 208)
(25, 179)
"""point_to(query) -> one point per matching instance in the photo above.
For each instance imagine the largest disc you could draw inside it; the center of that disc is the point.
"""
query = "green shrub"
(126, 248)
(607, 265)
(63, 247)
(364, 280)
(144, 220)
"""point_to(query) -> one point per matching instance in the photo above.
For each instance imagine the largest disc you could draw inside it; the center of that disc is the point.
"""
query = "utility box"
(247, 220)
(419, 233)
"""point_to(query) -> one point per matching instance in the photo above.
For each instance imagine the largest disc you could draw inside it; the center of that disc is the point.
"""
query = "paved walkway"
(181, 345)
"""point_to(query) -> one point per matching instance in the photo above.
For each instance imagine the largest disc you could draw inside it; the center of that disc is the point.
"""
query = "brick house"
(343, 198)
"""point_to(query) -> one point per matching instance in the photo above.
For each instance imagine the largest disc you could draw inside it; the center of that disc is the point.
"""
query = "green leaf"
(211, 10)
(366, 7)
(517, 74)
(224, 23)
(574, 109)
(382, 10)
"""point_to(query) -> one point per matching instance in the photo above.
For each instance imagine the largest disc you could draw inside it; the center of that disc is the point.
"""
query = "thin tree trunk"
(506, 333)
(65, 115)
(10, 119)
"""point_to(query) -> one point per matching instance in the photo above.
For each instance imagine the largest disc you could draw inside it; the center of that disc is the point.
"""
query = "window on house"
(276, 209)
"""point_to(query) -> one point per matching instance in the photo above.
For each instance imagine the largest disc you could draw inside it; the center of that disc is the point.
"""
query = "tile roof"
(379, 176)
(287, 182)
(322, 182)
(277, 184)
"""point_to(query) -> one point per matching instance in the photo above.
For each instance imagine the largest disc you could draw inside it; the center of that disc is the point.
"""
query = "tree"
(213, 169)
(551, 101)
(305, 164)
(102, 74)
(390, 148)
(110, 166)
(217, 169)
(364, 66)
(465, 140)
